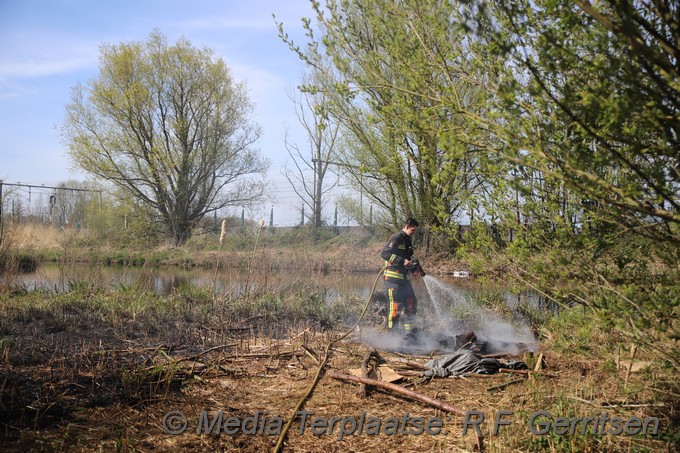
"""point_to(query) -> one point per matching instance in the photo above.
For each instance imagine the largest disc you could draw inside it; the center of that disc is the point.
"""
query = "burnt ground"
(70, 383)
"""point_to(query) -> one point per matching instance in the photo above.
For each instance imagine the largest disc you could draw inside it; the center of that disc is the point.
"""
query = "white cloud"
(41, 54)
(43, 68)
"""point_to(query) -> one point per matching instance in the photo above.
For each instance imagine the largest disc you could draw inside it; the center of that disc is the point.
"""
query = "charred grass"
(100, 368)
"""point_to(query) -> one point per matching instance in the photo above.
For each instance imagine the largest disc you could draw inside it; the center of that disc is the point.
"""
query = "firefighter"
(398, 256)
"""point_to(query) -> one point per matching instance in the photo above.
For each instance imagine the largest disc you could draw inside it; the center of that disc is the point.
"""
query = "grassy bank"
(282, 248)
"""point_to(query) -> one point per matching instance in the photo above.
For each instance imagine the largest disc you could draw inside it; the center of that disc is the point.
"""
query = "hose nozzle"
(415, 268)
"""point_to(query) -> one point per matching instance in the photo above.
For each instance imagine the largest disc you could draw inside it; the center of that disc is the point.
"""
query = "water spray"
(488, 325)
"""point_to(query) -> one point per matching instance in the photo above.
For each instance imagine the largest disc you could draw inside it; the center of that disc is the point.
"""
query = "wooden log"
(311, 354)
(401, 390)
(539, 362)
(498, 355)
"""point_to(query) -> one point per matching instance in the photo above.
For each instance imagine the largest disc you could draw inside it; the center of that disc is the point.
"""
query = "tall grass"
(124, 309)
(14, 261)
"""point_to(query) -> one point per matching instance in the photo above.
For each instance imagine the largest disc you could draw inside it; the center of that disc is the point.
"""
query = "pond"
(163, 280)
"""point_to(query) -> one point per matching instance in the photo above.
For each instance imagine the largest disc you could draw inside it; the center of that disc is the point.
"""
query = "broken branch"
(401, 390)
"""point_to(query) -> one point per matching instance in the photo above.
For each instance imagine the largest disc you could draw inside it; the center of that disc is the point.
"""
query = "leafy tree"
(70, 200)
(170, 126)
(590, 100)
(116, 218)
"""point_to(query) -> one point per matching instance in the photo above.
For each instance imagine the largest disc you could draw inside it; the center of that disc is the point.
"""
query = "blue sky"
(47, 47)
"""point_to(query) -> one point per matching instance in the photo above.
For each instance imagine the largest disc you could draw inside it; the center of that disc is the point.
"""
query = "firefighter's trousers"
(402, 305)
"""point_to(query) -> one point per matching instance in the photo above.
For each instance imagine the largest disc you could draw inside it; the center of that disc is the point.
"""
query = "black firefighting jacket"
(398, 249)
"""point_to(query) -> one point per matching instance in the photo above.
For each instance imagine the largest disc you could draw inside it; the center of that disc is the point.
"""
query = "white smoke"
(456, 311)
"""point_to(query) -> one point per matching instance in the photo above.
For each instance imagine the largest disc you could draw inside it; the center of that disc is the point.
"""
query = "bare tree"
(309, 177)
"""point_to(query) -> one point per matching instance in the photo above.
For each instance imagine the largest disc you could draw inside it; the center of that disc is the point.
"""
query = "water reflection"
(164, 280)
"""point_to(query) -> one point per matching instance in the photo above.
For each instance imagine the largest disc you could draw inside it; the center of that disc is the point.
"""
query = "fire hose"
(415, 268)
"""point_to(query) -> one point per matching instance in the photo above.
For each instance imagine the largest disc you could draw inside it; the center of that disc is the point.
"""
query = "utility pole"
(361, 186)
(53, 201)
(361, 200)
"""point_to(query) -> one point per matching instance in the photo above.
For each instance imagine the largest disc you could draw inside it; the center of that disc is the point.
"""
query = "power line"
(47, 187)
(31, 186)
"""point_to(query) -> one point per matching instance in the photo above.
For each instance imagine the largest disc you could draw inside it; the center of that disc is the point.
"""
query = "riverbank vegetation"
(281, 247)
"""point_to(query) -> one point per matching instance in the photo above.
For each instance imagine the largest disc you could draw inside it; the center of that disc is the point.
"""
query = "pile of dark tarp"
(464, 361)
